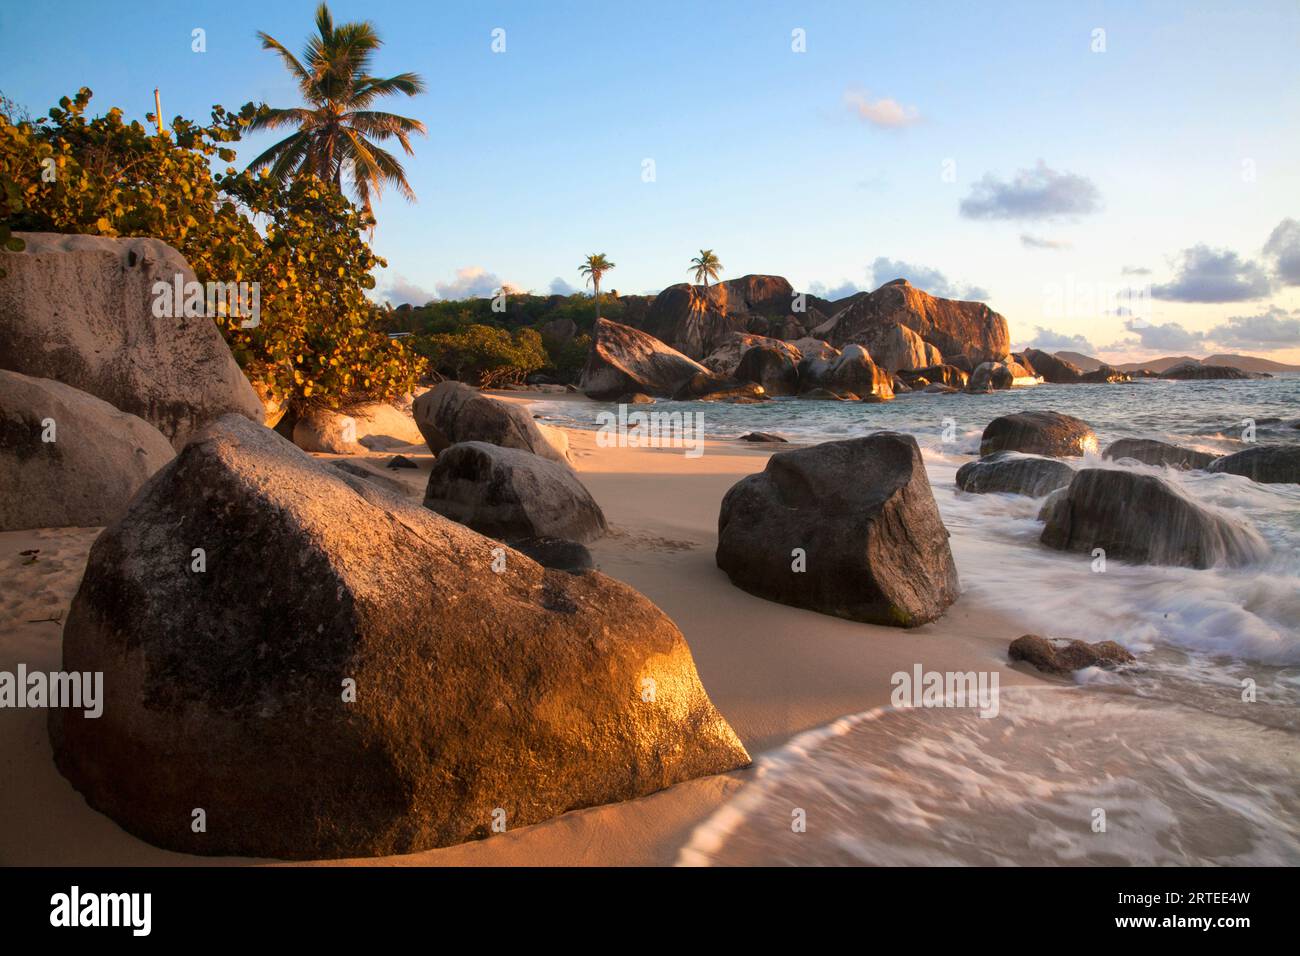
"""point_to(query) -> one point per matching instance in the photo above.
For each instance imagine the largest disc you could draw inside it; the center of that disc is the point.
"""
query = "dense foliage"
(319, 341)
(484, 355)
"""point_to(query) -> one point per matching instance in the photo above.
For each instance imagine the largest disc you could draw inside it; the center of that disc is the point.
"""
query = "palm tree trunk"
(597, 284)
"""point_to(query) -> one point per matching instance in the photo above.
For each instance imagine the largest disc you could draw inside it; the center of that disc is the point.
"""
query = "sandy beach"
(773, 671)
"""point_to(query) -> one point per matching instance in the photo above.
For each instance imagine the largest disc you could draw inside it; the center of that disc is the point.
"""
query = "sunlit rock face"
(848, 528)
(959, 330)
(696, 320)
(82, 310)
(351, 674)
(1145, 520)
(623, 359)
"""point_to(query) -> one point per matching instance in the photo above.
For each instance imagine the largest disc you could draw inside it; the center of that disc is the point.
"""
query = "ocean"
(1161, 762)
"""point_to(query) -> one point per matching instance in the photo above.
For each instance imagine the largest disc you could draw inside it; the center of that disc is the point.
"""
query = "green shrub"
(483, 355)
(319, 341)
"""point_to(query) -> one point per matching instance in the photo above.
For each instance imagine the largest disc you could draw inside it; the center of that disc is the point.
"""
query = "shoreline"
(774, 672)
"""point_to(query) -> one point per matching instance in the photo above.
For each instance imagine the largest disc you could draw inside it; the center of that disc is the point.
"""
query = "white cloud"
(885, 112)
(1214, 275)
(560, 287)
(1037, 194)
(923, 277)
(1038, 242)
(1275, 328)
(402, 291)
(471, 282)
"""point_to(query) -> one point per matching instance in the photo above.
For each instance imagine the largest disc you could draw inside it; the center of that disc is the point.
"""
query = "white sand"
(772, 670)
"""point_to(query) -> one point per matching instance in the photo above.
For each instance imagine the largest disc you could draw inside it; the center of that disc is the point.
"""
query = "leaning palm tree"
(594, 267)
(706, 266)
(337, 130)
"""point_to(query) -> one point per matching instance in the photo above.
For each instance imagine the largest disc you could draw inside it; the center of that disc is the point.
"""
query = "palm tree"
(338, 130)
(594, 267)
(705, 266)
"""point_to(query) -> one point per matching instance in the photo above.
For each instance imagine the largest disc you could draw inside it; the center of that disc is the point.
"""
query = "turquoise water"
(1190, 772)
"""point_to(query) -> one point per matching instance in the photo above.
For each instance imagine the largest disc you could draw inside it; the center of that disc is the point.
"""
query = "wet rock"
(1151, 452)
(1065, 657)
(1268, 464)
(1039, 433)
(1014, 473)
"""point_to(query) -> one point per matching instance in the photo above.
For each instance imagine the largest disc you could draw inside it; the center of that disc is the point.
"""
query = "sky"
(1115, 178)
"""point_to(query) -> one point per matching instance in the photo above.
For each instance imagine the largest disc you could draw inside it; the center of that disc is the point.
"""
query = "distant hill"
(1163, 364)
(1085, 362)
(1247, 363)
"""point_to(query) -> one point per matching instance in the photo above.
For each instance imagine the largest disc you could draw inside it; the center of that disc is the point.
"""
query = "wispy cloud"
(1050, 340)
(885, 112)
(1040, 193)
(1038, 242)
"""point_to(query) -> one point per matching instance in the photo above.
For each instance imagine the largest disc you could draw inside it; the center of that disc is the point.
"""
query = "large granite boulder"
(323, 431)
(96, 461)
(454, 412)
(354, 675)
(1056, 371)
(382, 426)
(777, 370)
(695, 320)
(853, 371)
(896, 347)
(991, 375)
(623, 359)
(1268, 464)
(80, 310)
(511, 493)
(725, 359)
(1146, 520)
(848, 528)
(1039, 433)
(1151, 452)
(1011, 472)
(970, 330)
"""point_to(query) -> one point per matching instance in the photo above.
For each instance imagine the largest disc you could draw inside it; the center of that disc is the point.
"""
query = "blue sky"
(983, 150)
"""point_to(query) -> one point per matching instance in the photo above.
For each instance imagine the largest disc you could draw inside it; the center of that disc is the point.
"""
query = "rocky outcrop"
(848, 528)
(725, 359)
(853, 371)
(1013, 473)
(1105, 375)
(1151, 452)
(1039, 433)
(353, 675)
(696, 320)
(80, 310)
(1064, 657)
(1195, 371)
(623, 359)
(1268, 464)
(453, 413)
(937, 375)
(321, 430)
(968, 329)
(777, 370)
(1056, 371)
(896, 347)
(991, 375)
(1145, 520)
(510, 493)
(69, 459)
(762, 437)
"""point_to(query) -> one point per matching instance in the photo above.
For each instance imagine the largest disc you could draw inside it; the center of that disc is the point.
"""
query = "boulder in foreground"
(1268, 464)
(350, 676)
(1145, 520)
(510, 493)
(1039, 433)
(848, 528)
(98, 458)
(1064, 657)
(79, 310)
